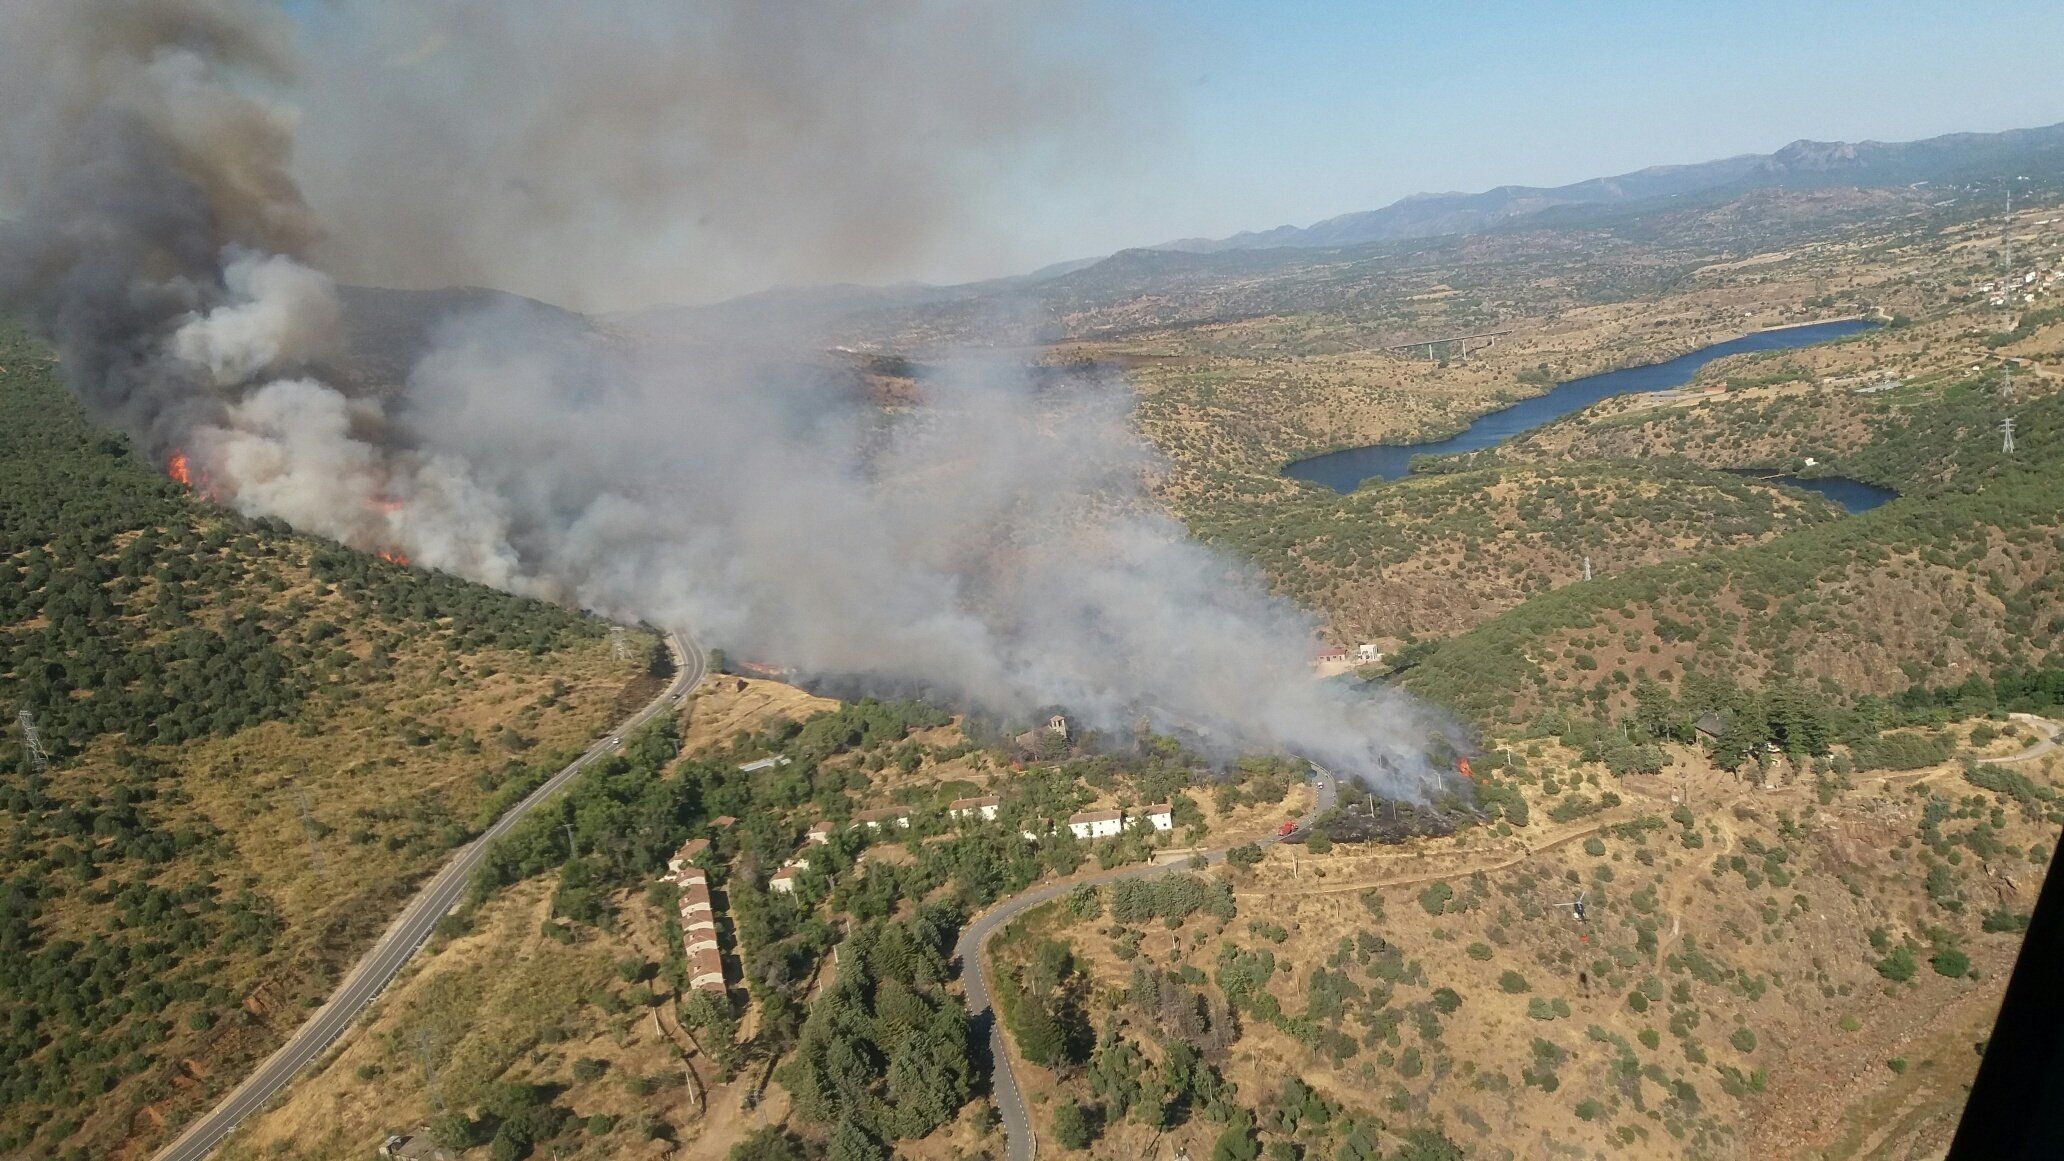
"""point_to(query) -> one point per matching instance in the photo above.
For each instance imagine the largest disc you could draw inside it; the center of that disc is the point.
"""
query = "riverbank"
(1344, 471)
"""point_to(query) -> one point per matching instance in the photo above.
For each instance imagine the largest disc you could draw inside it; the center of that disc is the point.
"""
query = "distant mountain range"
(1949, 160)
(1953, 157)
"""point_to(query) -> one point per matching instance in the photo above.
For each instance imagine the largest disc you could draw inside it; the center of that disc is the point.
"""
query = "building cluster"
(2020, 289)
(698, 918)
(1327, 657)
(1089, 824)
(1095, 824)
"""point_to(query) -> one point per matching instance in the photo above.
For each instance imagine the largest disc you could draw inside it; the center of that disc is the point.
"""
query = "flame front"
(178, 470)
(393, 556)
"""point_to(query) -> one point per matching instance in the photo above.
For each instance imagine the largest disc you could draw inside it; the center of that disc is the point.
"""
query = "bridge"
(1456, 346)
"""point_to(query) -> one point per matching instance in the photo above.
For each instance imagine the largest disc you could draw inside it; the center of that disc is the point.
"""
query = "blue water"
(1853, 495)
(1344, 471)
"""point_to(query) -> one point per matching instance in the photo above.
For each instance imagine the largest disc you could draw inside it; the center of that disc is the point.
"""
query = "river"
(1344, 471)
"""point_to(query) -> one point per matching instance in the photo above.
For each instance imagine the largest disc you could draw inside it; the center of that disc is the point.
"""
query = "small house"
(984, 808)
(882, 816)
(1093, 824)
(1161, 815)
(683, 860)
(819, 832)
(783, 881)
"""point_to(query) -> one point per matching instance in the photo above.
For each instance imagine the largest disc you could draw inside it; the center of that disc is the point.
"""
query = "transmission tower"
(308, 825)
(2007, 436)
(2007, 237)
(39, 758)
(429, 1070)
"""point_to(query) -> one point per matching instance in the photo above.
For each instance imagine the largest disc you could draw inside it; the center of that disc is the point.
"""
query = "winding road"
(1020, 1144)
(406, 935)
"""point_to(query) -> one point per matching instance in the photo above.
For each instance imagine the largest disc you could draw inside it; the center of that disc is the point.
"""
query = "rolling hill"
(257, 743)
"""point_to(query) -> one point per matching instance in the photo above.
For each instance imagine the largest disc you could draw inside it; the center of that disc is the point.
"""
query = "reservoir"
(1853, 495)
(1344, 471)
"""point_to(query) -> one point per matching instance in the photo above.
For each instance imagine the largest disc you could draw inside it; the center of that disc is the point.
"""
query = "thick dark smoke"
(996, 543)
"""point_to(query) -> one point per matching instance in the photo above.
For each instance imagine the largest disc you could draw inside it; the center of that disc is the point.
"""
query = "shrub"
(1948, 961)
(1743, 1040)
(1513, 983)
(1435, 897)
(1898, 967)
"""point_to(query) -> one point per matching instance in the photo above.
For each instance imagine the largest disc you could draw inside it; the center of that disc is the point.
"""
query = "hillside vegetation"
(257, 743)
(1436, 554)
(1960, 579)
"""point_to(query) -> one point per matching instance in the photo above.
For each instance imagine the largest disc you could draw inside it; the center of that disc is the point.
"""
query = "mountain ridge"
(1803, 162)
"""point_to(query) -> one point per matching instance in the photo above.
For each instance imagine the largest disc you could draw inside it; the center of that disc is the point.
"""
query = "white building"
(1093, 824)
(984, 808)
(784, 880)
(1161, 815)
(819, 832)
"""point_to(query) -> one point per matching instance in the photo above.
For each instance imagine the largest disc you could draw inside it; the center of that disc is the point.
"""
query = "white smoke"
(277, 312)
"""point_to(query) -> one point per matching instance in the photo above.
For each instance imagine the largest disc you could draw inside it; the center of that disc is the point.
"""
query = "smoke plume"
(995, 544)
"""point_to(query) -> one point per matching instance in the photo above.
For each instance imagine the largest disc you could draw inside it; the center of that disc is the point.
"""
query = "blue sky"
(1226, 115)
(1294, 110)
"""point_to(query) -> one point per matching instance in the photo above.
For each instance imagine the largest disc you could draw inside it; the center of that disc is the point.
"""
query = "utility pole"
(1587, 566)
(619, 649)
(39, 758)
(308, 825)
(2007, 436)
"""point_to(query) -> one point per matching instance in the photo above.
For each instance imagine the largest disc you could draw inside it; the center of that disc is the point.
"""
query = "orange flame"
(388, 506)
(177, 469)
(393, 556)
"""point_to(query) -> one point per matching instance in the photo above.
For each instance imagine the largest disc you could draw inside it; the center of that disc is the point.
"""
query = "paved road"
(1020, 1144)
(404, 937)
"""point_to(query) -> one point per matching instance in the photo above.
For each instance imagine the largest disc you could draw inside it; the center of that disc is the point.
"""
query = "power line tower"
(429, 1070)
(32, 745)
(2007, 237)
(2007, 436)
(308, 826)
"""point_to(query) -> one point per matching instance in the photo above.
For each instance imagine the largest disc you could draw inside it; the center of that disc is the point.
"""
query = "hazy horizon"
(1047, 131)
